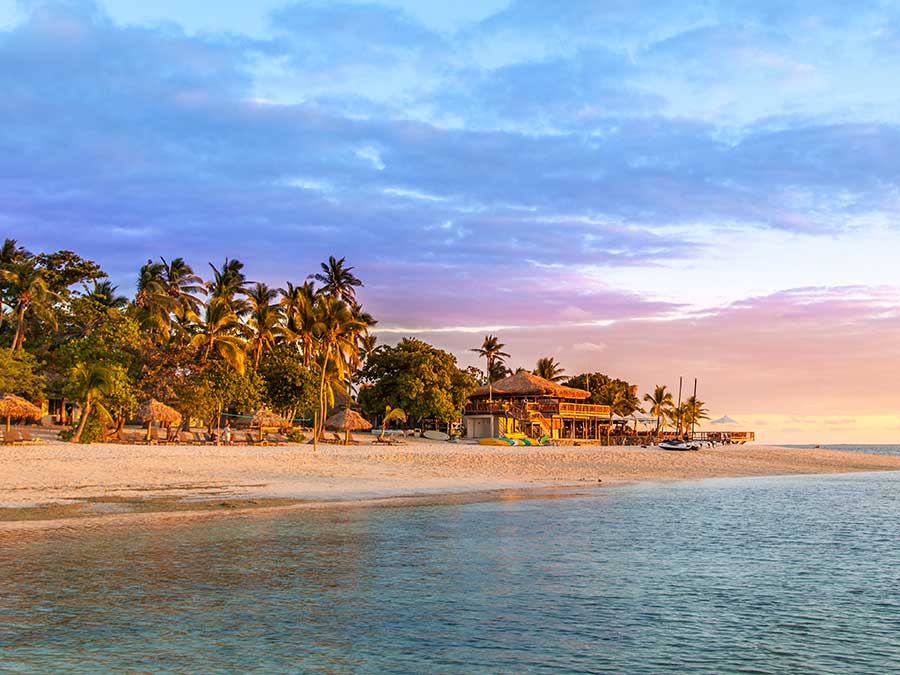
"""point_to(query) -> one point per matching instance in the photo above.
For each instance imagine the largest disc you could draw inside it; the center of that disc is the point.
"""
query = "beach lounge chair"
(12, 437)
(277, 438)
(26, 436)
(185, 438)
(385, 440)
(350, 440)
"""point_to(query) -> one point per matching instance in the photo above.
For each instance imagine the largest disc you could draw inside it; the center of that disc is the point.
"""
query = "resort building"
(526, 403)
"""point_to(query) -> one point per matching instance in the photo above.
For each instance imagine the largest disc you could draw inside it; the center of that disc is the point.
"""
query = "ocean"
(756, 575)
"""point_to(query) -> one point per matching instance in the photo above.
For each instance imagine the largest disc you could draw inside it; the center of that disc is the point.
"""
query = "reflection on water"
(784, 575)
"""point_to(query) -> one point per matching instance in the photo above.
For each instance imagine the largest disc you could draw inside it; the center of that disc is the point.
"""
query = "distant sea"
(869, 449)
(788, 575)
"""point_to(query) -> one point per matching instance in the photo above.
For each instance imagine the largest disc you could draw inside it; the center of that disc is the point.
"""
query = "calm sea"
(775, 575)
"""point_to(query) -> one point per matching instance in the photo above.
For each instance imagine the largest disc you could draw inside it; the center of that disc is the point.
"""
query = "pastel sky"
(643, 187)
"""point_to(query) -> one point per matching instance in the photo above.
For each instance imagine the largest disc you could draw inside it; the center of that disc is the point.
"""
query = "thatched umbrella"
(266, 418)
(347, 420)
(154, 411)
(16, 406)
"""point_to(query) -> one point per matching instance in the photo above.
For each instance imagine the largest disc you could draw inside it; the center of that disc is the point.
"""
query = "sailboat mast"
(679, 404)
(694, 412)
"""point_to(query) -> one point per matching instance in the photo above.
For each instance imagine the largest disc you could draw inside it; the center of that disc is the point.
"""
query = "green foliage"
(17, 373)
(64, 269)
(289, 388)
(417, 377)
(618, 394)
(206, 393)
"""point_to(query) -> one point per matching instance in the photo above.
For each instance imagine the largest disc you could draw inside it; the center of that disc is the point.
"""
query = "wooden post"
(315, 431)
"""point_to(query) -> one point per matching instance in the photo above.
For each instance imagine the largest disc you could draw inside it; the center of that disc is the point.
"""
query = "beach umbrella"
(266, 418)
(725, 419)
(16, 406)
(153, 411)
(347, 420)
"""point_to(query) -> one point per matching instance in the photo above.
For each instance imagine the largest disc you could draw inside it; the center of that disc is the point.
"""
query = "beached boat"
(676, 444)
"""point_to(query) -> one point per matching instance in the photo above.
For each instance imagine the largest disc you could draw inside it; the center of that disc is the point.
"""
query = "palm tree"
(183, 286)
(618, 402)
(549, 369)
(28, 292)
(391, 414)
(661, 404)
(264, 319)
(299, 307)
(492, 351)
(220, 331)
(337, 280)
(367, 345)
(152, 297)
(228, 284)
(693, 411)
(104, 295)
(89, 381)
(337, 331)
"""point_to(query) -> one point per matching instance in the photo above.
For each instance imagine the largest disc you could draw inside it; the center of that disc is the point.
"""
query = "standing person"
(226, 434)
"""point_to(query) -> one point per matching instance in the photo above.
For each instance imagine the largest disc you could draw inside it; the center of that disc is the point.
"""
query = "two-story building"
(526, 403)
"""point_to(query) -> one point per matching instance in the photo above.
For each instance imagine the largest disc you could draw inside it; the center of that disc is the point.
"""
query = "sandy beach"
(53, 480)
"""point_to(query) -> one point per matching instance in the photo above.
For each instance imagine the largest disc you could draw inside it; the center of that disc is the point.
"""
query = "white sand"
(55, 473)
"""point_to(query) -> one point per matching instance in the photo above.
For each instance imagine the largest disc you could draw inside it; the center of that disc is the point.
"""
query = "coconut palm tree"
(104, 294)
(88, 382)
(337, 280)
(492, 351)
(299, 307)
(391, 414)
(549, 369)
(693, 411)
(619, 404)
(29, 293)
(264, 319)
(183, 286)
(220, 331)
(228, 285)
(336, 331)
(661, 404)
(153, 299)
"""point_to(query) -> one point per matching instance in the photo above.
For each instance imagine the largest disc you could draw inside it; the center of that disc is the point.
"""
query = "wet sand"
(48, 483)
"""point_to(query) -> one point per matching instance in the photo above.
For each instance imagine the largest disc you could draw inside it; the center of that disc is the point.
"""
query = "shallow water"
(774, 575)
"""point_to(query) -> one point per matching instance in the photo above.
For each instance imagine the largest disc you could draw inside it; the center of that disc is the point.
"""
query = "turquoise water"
(776, 575)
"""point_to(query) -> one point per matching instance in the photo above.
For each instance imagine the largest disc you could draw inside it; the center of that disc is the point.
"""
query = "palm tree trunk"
(321, 421)
(20, 328)
(76, 437)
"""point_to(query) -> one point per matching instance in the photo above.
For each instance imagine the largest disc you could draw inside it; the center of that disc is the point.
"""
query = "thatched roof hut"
(154, 411)
(524, 384)
(347, 420)
(16, 406)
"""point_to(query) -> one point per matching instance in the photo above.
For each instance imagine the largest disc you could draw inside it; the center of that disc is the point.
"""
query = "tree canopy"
(421, 379)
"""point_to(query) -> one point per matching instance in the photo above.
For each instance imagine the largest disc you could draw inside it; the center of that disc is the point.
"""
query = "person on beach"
(226, 434)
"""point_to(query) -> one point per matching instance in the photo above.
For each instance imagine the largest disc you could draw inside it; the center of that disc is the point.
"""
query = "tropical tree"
(417, 377)
(104, 295)
(391, 414)
(549, 369)
(693, 411)
(491, 350)
(299, 310)
(661, 404)
(182, 286)
(338, 281)
(220, 332)
(29, 294)
(86, 383)
(336, 330)
(264, 319)
(152, 298)
(228, 286)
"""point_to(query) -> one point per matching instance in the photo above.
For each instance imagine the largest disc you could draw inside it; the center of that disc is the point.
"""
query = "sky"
(646, 188)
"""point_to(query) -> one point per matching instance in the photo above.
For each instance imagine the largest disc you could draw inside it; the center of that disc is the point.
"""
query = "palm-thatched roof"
(154, 411)
(16, 406)
(266, 418)
(527, 384)
(347, 420)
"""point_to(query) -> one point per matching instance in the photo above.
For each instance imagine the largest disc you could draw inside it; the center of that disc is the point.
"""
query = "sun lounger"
(12, 437)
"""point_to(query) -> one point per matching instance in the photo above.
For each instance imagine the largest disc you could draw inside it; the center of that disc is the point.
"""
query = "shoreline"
(58, 485)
